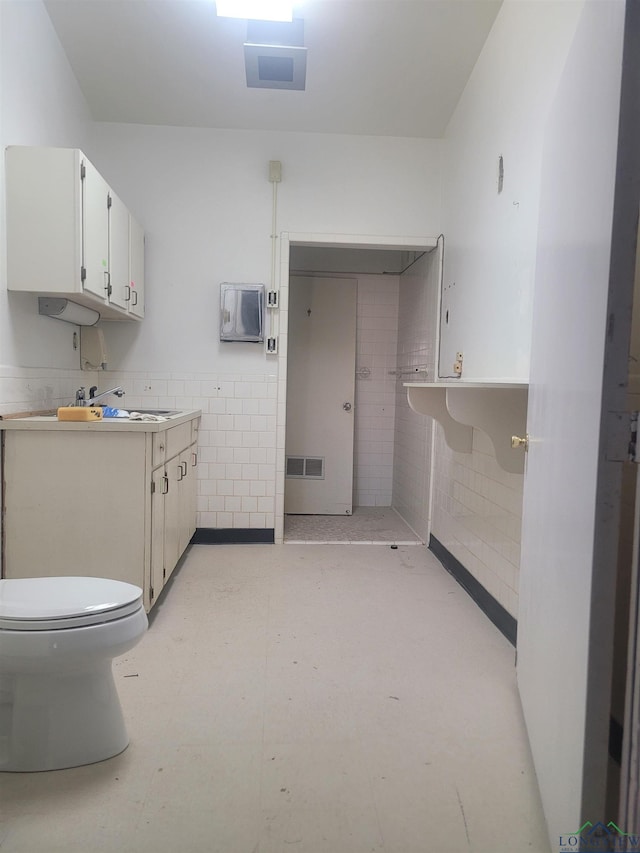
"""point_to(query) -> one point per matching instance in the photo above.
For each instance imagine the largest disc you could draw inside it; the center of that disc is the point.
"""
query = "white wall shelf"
(497, 408)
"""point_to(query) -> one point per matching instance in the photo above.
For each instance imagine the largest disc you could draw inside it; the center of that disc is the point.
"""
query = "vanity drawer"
(177, 439)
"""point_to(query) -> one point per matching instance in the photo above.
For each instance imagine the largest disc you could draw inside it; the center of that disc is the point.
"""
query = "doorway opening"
(397, 284)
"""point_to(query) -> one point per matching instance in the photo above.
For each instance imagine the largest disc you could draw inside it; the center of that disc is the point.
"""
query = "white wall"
(491, 237)
(489, 270)
(40, 104)
(204, 199)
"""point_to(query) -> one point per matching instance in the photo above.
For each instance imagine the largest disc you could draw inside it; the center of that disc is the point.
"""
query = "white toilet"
(59, 705)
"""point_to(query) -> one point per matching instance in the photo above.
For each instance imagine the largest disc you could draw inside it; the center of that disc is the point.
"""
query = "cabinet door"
(95, 231)
(136, 268)
(159, 490)
(119, 290)
(173, 470)
(188, 483)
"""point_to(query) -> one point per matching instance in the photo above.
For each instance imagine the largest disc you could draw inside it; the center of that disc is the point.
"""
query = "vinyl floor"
(295, 699)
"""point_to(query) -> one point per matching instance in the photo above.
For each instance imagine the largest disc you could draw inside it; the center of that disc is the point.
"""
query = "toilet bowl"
(59, 705)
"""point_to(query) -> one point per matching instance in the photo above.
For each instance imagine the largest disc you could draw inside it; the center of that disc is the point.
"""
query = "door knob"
(517, 442)
(346, 407)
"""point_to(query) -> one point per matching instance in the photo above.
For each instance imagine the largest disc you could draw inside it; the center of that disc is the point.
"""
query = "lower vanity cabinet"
(115, 501)
(173, 514)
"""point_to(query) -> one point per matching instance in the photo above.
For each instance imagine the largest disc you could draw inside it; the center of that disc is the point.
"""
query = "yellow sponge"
(80, 413)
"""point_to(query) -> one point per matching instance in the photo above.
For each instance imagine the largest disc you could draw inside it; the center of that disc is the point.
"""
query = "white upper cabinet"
(118, 291)
(136, 269)
(69, 234)
(94, 234)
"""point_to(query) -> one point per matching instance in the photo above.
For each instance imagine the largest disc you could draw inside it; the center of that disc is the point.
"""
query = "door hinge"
(272, 345)
(151, 593)
(622, 437)
(83, 171)
(272, 299)
(153, 487)
(109, 200)
(83, 273)
(633, 437)
(164, 573)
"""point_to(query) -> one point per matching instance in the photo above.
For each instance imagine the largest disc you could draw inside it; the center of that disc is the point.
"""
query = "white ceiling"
(379, 67)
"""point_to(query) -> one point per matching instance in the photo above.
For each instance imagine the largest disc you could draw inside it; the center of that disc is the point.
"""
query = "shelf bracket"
(458, 436)
(498, 409)
(498, 413)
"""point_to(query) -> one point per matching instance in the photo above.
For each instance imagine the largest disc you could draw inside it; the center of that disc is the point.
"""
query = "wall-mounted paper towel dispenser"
(242, 312)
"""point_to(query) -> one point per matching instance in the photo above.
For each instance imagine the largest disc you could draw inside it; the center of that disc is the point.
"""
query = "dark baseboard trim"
(233, 536)
(500, 617)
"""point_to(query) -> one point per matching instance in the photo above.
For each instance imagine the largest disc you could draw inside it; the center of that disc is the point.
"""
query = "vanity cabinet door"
(187, 485)
(173, 470)
(159, 488)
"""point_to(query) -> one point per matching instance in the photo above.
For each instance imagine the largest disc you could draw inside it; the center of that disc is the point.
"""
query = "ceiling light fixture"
(255, 10)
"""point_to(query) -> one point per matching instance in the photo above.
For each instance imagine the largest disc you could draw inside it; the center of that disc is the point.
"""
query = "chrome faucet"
(93, 397)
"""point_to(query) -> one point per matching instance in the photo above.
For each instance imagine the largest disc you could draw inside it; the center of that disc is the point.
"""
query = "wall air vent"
(275, 56)
(308, 467)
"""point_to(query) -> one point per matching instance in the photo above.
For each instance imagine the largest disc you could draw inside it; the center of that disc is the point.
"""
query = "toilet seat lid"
(63, 602)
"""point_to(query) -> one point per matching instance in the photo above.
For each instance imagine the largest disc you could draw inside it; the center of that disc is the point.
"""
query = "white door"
(571, 499)
(321, 361)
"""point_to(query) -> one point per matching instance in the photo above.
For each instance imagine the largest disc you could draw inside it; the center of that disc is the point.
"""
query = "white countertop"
(51, 422)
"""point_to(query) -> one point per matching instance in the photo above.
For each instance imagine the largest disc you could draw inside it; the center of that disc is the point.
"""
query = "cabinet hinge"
(633, 438)
(83, 273)
(83, 171)
(164, 573)
(153, 487)
(109, 200)
(622, 437)
(151, 593)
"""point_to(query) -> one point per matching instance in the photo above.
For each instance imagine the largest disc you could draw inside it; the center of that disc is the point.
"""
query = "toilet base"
(49, 722)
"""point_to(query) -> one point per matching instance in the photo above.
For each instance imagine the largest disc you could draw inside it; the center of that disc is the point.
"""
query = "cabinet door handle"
(183, 466)
(134, 294)
(127, 297)
(194, 459)
(165, 484)
(107, 282)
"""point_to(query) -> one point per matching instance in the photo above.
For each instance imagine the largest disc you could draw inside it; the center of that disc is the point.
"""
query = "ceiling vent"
(275, 56)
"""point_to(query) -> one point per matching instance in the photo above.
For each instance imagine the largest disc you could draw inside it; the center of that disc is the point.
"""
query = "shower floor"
(367, 526)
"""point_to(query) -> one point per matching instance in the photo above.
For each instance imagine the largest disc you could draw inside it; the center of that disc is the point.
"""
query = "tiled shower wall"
(376, 343)
(417, 320)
